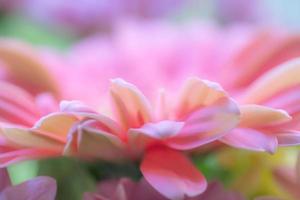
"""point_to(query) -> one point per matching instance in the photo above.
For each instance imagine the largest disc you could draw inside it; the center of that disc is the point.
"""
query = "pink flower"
(241, 53)
(126, 189)
(34, 189)
(202, 114)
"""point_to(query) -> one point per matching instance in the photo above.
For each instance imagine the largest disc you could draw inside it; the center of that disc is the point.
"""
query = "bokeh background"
(60, 24)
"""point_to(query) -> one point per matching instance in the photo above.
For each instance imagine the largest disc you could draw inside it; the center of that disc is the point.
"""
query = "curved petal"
(277, 80)
(82, 111)
(261, 116)
(172, 174)
(58, 124)
(288, 138)
(132, 107)
(160, 130)
(26, 68)
(251, 139)
(151, 134)
(197, 93)
(264, 51)
(16, 105)
(33, 139)
(206, 125)
(40, 188)
(89, 140)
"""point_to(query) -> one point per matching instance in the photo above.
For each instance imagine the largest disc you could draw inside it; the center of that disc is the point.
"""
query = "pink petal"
(132, 107)
(159, 130)
(82, 111)
(264, 52)
(15, 156)
(172, 174)
(4, 179)
(75, 106)
(26, 67)
(30, 138)
(261, 116)
(16, 105)
(277, 80)
(56, 124)
(206, 125)
(196, 94)
(288, 138)
(40, 188)
(151, 134)
(93, 142)
(251, 139)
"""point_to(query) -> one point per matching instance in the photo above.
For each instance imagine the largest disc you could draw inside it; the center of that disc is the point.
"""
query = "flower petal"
(82, 111)
(56, 124)
(132, 107)
(16, 105)
(206, 125)
(275, 81)
(26, 67)
(89, 140)
(160, 130)
(261, 116)
(172, 174)
(40, 188)
(29, 138)
(251, 139)
(196, 94)
(288, 138)
(151, 134)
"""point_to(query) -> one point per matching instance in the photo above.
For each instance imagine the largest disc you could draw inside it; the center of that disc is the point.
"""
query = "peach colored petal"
(96, 143)
(277, 80)
(261, 116)
(29, 138)
(206, 125)
(26, 67)
(84, 112)
(251, 139)
(172, 174)
(88, 139)
(58, 123)
(132, 107)
(196, 94)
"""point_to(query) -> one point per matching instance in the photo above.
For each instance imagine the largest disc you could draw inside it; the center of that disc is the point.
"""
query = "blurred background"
(60, 24)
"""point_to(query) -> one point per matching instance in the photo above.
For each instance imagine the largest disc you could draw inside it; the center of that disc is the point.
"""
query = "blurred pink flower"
(244, 54)
(126, 189)
(202, 114)
(34, 189)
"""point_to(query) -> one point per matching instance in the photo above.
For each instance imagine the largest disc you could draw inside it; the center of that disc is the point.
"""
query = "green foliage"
(21, 28)
(72, 179)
